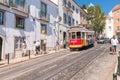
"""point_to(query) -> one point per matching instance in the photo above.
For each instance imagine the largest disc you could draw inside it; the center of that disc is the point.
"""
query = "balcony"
(44, 16)
(4, 2)
(67, 7)
(15, 4)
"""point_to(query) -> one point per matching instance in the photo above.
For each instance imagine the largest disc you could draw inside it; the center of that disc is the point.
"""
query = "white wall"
(109, 26)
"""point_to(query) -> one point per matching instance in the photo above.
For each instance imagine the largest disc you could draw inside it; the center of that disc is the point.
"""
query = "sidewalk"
(4, 63)
(116, 66)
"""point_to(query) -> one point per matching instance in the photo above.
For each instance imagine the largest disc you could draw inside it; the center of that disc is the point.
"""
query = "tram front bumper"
(75, 46)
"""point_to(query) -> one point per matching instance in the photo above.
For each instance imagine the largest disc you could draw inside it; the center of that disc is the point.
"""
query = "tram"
(80, 37)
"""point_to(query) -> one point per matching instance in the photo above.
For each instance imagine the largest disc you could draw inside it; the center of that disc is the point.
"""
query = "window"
(43, 9)
(109, 27)
(64, 2)
(43, 28)
(76, 10)
(20, 22)
(118, 11)
(78, 35)
(65, 18)
(20, 3)
(73, 21)
(109, 20)
(73, 7)
(118, 27)
(69, 4)
(73, 35)
(83, 34)
(1, 18)
(69, 20)
(118, 19)
(69, 35)
(18, 42)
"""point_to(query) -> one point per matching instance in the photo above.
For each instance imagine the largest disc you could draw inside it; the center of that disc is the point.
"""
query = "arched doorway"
(1, 41)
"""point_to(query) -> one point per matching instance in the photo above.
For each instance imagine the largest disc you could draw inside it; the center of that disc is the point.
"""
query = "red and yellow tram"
(80, 37)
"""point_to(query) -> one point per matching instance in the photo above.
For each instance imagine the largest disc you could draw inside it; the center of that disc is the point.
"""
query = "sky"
(106, 5)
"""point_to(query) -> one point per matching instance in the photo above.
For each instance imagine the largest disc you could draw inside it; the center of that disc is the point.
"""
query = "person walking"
(34, 47)
(114, 43)
(37, 46)
(24, 46)
(57, 45)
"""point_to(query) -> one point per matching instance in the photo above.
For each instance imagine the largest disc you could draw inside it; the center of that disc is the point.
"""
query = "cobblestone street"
(94, 63)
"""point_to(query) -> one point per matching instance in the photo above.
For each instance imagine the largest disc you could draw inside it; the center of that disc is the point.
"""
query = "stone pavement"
(115, 69)
(4, 63)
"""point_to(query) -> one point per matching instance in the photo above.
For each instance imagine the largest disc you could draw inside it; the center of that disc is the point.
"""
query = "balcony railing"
(5, 2)
(22, 7)
(44, 16)
(67, 6)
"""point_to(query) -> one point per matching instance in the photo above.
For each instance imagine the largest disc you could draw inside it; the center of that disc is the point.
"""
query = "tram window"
(83, 35)
(73, 35)
(69, 35)
(78, 35)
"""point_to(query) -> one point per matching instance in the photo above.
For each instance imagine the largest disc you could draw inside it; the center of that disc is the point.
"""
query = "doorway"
(64, 36)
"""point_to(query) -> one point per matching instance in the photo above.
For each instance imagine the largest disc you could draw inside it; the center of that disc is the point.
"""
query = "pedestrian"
(37, 46)
(34, 47)
(61, 44)
(57, 45)
(24, 46)
(114, 43)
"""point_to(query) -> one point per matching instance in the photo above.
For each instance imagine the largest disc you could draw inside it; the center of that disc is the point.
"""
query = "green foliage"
(84, 6)
(96, 19)
(20, 26)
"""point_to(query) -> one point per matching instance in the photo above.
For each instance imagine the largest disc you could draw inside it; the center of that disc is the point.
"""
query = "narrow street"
(65, 65)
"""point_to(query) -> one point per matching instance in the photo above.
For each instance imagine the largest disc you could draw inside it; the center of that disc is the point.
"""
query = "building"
(13, 26)
(25, 20)
(116, 19)
(32, 20)
(72, 15)
(109, 27)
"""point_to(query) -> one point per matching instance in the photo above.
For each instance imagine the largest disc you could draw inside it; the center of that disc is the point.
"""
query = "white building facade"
(109, 27)
(32, 20)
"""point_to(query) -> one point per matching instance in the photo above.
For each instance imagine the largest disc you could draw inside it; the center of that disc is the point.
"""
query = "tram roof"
(80, 29)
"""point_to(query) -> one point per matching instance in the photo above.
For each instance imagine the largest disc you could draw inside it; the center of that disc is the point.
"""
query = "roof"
(116, 7)
(79, 6)
(81, 29)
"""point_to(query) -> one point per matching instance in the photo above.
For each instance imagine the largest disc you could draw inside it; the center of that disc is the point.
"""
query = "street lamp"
(58, 29)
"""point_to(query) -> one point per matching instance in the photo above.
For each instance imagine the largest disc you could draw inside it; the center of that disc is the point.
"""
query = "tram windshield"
(75, 35)
(78, 35)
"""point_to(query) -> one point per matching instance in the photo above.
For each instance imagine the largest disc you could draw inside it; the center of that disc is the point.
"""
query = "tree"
(96, 19)
(84, 6)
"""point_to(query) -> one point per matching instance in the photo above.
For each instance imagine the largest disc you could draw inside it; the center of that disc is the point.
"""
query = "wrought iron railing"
(5, 2)
(44, 16)
(23, 6)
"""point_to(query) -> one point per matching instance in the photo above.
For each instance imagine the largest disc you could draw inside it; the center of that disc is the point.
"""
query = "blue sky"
(106, 5)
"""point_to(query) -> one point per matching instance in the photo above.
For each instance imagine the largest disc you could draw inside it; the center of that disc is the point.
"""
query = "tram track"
(44, 74)
(72, 68)
(20, 68)
(58, 61)
(40, 69)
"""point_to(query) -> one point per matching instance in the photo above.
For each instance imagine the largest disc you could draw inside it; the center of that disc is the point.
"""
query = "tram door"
(1, 41)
